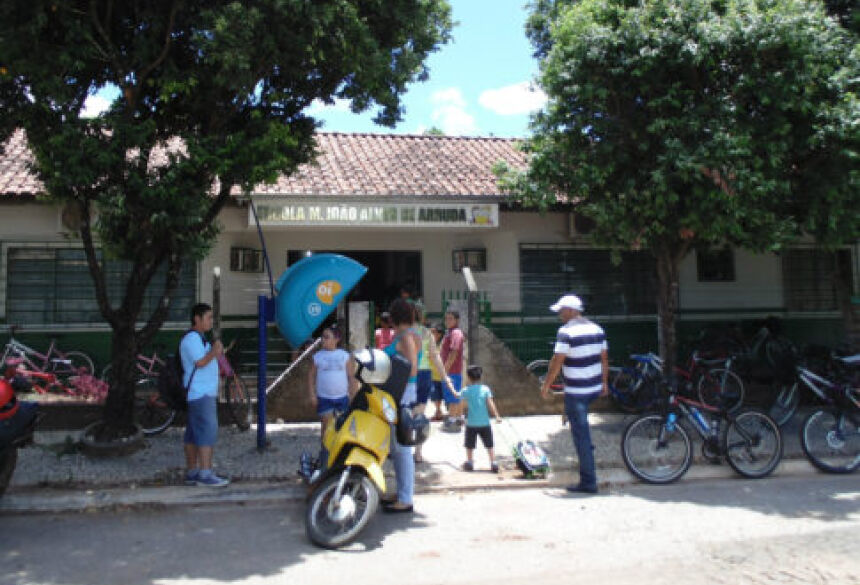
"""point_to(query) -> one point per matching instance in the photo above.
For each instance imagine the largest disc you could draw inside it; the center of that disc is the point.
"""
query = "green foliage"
(212, 99)
(213, 95)
(678, 120)
(682, 123)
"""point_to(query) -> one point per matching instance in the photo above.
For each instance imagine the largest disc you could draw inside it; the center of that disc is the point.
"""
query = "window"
(46, 286)
(548, 270)
(808, 278)
(715, 265)
(475, 258)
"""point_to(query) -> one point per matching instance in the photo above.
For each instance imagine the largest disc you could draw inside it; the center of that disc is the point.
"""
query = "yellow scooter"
(345, 489)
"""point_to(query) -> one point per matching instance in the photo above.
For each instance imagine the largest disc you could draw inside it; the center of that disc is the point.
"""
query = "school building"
(414, 210)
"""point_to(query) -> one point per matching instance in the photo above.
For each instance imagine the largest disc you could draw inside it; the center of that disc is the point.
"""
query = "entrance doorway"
(387, 273)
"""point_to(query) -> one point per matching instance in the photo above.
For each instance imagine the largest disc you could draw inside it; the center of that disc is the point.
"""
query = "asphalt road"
(779, 530)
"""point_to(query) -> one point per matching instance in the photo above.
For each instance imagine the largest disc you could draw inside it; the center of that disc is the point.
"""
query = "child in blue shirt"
(479, 404)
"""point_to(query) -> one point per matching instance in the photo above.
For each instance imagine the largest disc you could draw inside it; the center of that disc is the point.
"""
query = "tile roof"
(374, 165)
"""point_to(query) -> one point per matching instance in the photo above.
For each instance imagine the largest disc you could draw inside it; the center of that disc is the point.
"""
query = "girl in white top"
(331, 379)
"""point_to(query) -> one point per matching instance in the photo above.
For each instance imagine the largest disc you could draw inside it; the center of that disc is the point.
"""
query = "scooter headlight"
(389, 411)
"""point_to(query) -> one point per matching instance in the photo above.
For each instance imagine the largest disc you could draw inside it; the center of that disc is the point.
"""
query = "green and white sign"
(413, 215)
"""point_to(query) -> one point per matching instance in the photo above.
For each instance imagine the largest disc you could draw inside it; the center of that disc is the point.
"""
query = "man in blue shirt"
(581, 355)
(200, 377)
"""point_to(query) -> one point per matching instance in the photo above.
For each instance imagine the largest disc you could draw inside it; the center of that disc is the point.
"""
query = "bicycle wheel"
(152, 413)
(753, 444)
(629, 391)
(106, 372)
(235, 394)
(539, 368)
(721, 388)
(831, 440)
(73, 363)
(654, 454)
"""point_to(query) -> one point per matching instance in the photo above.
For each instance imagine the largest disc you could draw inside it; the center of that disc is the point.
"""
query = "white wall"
(239, 291)
(757, 284)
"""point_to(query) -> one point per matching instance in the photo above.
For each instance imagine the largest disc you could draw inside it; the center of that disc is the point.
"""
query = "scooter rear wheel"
(332, 524)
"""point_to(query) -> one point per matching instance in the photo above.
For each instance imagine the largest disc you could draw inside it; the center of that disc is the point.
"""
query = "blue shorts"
(424, 385)
(457, 382)
(201, 426)
(329, 405)
(436, 391)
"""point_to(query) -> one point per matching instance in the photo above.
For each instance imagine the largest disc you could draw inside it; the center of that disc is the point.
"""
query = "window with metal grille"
(808, 278)
(548, 271)
(46, 286)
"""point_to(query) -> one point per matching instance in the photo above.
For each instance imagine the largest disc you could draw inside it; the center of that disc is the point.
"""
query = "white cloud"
(95, 105)
(319, 107)
(513, 100)
(449, 113)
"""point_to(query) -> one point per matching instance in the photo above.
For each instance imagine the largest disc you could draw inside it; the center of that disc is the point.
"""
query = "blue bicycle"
(633, 389)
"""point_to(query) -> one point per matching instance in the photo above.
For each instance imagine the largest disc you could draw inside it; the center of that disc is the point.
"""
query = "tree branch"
(164, 50)
(95, 268)
(171, 282)
(110, 51)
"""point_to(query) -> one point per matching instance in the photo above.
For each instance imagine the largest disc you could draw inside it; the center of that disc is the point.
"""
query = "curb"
(59, 501)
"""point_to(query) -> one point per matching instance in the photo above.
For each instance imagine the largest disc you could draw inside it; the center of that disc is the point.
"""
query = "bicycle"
(53, 361)
(715, 387)
(630, 388)
(657, 449)
(146, 365)
(155, 415)
(830, 434)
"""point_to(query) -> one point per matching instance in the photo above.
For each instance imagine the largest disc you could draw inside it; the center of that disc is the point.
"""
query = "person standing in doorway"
(200, 377)
(581, 355)
(453, 345)
(384, 334)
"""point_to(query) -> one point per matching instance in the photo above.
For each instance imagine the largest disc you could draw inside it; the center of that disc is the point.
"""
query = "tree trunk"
(667, 307)
(842, 282)
(118, 414)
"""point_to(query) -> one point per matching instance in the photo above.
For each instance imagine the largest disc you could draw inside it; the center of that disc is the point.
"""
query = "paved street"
(779, 530)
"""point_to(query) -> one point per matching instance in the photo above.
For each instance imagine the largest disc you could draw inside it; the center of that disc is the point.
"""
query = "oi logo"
(326, 291)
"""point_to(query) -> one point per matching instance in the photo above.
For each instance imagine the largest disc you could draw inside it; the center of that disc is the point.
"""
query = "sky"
(480, 82)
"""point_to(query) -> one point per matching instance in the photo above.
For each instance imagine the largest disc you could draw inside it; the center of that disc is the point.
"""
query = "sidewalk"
(52, 477)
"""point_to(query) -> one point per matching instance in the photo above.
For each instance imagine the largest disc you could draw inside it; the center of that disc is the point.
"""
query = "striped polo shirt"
(581, 342)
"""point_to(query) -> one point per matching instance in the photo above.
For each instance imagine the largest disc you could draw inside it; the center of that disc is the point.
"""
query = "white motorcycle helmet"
(374, 366)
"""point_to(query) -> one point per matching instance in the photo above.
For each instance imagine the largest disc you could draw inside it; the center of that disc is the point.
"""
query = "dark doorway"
(387, 273)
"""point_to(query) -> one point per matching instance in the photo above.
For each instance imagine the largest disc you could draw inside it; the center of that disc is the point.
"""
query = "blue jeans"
(404, 469)
(576, 409)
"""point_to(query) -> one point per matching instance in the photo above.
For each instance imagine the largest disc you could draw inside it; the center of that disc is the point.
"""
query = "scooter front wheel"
(8, 458)
(332, 521)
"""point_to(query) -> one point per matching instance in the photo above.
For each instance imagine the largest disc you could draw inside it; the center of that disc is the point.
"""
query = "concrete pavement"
(53, 477)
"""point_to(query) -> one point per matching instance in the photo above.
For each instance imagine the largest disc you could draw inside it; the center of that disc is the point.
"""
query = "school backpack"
(531, 459)
(170, 385)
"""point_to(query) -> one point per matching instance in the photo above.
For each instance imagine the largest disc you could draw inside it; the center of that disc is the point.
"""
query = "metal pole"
(216, 302)
(473, 327)
(262, 347)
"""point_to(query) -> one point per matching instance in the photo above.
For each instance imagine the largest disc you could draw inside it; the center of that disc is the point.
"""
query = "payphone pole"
(265, 315)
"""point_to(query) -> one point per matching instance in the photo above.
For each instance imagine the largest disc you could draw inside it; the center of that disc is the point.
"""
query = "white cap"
(568, 302)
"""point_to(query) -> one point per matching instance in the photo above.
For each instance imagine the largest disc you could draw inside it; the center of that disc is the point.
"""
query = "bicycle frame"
(27, 354)
(810, 379)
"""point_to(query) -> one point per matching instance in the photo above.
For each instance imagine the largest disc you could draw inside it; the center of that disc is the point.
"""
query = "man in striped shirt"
(581, 356)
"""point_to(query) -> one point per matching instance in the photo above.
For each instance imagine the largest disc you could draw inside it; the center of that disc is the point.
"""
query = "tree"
(212, 99)
(682, 123)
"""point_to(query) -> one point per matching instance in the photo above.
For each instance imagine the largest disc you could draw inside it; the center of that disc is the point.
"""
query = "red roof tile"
(377, 165)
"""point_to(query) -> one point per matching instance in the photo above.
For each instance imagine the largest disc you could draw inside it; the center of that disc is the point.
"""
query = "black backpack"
(170, 385)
